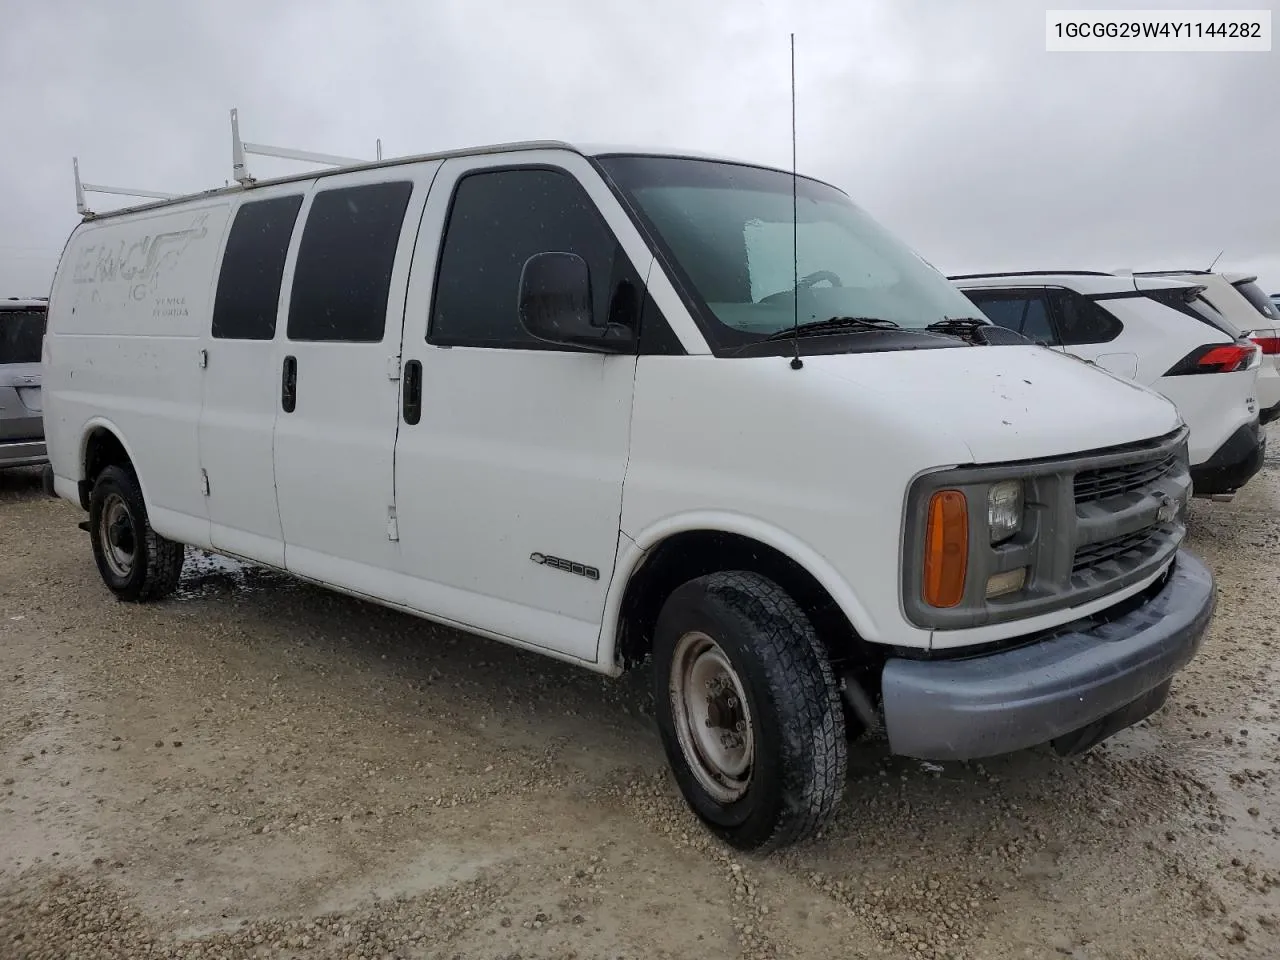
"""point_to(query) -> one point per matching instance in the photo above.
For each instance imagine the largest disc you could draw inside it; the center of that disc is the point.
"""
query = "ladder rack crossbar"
(82, 206)
(240, 168)
(125, 192)
(240, 150)
(285, 153)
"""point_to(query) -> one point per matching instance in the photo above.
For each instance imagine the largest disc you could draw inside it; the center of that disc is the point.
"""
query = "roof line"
(478, 151)
(1031, 273)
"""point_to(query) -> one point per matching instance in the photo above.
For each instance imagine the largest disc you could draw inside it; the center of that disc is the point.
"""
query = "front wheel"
(135, 562)
(748, 709)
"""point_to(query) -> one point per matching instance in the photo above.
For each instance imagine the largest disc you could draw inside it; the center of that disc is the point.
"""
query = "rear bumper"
(1233, 463)
(22, 453)
(1077, 687)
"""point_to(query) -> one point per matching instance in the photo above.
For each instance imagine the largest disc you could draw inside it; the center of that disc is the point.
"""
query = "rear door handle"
(412, 391)
(289, 384)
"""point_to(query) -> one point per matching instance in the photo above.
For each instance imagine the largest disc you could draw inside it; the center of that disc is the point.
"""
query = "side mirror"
(556, 304)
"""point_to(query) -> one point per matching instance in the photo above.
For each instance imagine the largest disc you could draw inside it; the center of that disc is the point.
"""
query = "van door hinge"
(393, 367)
(393, 528)
(204, 481)
(204, 359)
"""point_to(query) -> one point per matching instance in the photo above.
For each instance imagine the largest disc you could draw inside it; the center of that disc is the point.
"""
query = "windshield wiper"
(977, 332)
(816, 328)
(957, 325)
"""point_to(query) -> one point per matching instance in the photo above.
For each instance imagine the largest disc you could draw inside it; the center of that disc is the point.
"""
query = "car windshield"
(727, 232)
(21, 335)
(1253, 293)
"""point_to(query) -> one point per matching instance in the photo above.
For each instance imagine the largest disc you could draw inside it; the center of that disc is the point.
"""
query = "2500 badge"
(568, 566)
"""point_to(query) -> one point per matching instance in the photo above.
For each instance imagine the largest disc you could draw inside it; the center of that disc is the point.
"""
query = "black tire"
(798, 751)
(156, 564)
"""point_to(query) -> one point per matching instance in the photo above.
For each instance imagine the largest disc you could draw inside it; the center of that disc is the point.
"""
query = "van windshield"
(726, 231)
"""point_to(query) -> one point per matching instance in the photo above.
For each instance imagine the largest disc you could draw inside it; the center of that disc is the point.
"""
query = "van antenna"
(796, 362)
(1215, 260)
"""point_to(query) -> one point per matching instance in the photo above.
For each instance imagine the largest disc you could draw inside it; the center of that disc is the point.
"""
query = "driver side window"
(499, 219)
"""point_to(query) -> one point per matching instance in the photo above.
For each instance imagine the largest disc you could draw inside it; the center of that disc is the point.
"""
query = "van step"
(83, 525)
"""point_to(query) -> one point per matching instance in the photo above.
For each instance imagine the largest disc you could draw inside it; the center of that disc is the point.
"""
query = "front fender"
(633, 548)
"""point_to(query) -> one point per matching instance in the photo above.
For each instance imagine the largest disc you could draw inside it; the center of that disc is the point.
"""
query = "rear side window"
(1025, 313)
(252, 266)
(343, 275)
(500, 218)
(1082, 321)
(1261, 302)
(1196, 307)
(21, 335)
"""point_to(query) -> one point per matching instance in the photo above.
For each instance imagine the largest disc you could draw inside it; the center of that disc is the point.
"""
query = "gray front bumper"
(22, 453)
(1013, 699)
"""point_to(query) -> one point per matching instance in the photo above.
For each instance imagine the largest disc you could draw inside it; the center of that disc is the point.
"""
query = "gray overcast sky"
(947, 120)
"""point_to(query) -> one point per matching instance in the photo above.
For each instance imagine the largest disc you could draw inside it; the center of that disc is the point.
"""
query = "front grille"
(1124, 552)
(1091, 485)
(1120, 530)
(1096, 554)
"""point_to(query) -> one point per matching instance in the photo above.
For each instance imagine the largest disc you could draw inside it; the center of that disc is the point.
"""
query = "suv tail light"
(1217, 358)
(1267, 340)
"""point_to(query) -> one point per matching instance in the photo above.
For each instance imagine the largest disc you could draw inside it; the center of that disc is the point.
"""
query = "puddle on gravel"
(206, 575)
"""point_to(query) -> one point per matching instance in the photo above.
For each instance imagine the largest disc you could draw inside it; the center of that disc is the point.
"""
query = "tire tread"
(812, 714)
(164, 558)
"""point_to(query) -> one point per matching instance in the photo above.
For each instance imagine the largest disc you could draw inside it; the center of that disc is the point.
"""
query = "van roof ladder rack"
(239, 149)
(82, 207)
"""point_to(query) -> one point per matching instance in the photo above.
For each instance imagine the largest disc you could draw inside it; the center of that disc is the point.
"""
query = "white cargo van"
(558, 397)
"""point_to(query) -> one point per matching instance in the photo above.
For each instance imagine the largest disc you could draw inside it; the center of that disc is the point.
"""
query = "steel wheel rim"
(118, 536)
(712, 717)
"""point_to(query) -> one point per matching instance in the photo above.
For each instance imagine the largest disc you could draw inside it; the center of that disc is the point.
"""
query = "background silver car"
(21, 420)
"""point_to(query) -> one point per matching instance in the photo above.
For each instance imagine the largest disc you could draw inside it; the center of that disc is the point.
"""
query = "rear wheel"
(748, 709)
(135, 562)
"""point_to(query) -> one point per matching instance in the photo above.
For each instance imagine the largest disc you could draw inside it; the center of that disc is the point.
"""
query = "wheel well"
(103, 449)
(684, 556)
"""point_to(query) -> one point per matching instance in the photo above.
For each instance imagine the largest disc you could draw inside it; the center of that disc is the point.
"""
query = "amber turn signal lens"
(946, 555)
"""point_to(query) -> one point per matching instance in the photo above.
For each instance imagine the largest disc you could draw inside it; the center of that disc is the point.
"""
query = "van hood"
(1004, 403)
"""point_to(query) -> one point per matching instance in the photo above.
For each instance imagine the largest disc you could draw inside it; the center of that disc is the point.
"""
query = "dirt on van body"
(260, 768)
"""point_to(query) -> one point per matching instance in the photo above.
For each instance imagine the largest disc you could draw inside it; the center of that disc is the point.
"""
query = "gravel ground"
(259, 768)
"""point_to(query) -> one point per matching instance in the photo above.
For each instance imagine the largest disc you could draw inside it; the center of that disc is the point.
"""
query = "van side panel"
(130, 302)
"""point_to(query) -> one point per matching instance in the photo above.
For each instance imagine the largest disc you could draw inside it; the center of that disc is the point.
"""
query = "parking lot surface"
(262, 768)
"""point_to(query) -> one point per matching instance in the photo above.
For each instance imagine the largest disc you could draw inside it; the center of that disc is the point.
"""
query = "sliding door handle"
(412, 381)
(289, 384)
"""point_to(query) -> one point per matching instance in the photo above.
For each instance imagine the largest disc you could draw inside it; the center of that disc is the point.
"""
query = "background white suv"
(1156, 331)
(1250, 313)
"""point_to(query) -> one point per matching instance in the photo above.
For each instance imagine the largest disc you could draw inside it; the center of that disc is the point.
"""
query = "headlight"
(1004, 509)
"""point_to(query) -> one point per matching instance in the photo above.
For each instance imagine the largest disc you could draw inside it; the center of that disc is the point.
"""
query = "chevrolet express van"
(623, 408)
